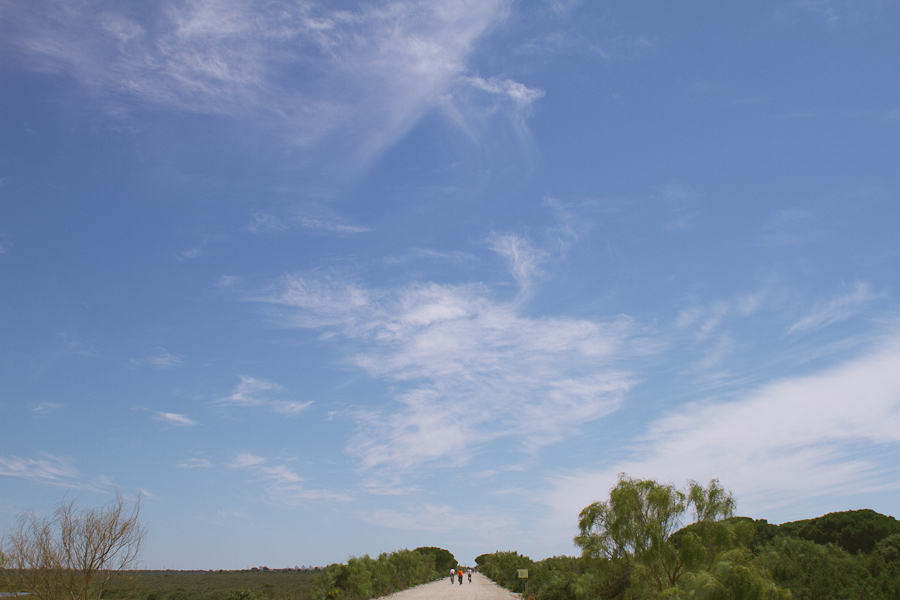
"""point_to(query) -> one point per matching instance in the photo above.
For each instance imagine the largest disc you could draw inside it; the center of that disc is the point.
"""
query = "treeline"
(633, 546)
(364, 577)
(360, 578)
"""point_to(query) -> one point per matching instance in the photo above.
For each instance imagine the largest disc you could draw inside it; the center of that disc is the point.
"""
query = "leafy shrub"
(813, 571)
(503, 568)
(443, 559)
(364, 577)
(854, 530)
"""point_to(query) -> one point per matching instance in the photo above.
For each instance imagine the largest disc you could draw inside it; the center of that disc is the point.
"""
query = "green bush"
(813, 571)
(854, 530)
(364, 577)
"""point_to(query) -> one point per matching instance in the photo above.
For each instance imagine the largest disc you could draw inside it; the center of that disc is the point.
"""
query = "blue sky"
(321, 279)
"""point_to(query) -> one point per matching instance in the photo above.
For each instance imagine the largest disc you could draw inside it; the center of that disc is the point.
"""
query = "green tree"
(710, 503)
(733, 577)
(884, 567)
(813, 571)
(853, 530)
(638, 521)
(443, 559)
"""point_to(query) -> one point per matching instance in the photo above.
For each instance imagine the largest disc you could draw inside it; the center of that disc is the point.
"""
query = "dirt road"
(481, 588)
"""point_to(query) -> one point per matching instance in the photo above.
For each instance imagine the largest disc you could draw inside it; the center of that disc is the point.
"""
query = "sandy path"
(481, 588)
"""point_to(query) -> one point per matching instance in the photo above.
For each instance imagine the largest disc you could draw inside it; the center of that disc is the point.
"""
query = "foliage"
(813, 571)
(732, 577)
(72, 554)
(443, 559)
(853, 530)
(884, 568)
(364, 577)
(503, 568)
(637, 524)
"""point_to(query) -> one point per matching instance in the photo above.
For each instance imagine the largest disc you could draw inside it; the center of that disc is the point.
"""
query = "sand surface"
(481, 588)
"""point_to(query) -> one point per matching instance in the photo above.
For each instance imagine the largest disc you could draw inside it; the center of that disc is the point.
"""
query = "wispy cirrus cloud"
(524, 259)
(253, 392)
(362, 76)
(311, 220)
(175, 419)
(835, 309)
(56, 470)
(439, 517)
(283, 485)
(794, 227)
(196, 463)
(46, 408)
(777, 446)
(163, 359)
(466, 369)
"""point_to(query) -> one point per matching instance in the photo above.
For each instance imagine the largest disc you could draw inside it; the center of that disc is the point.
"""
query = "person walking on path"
(469, 573)
(452, 575)
(482, 588)
(460, 577)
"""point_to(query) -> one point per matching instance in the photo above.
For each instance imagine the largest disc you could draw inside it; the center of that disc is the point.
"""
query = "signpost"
(523, 575)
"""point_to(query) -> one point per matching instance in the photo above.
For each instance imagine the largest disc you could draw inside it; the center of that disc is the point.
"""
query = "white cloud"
(466, 369)
(45, 408)
(317, 220)
(793, 227)
(266, 222)
(196, 463)
(282, 484)
(175, 419)
(49, 469)
(439, 518)
(313, 70)
(835, 309)
(784, 443)
(328, 223)
(201, 249)
(245, 460)
(514, 90)
(163, 359)
(252, 392)
(524, 259)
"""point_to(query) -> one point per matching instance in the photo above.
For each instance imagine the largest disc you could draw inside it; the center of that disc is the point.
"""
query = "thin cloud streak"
(282, 484)
(252, 392)
(836, 309)
(438, 518)
(48, 469)
(163, 359)
(524, 259)
(175, 419)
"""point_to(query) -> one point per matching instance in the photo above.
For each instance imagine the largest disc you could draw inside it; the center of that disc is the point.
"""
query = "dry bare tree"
(72, 554)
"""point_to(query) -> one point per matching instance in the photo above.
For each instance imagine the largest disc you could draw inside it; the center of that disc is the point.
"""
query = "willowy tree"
(636, 525)
(71, 554)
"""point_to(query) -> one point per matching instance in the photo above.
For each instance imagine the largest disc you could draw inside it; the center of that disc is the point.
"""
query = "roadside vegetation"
(653, 541)
(648, 541)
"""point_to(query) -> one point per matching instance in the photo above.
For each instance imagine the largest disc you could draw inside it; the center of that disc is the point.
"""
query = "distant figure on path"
(452, 575)
(469, 573)
(460, 577)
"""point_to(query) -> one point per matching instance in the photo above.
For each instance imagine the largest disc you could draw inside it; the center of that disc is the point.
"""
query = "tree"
(443, 559)
(710, 503)
(72, 554)
(637, 523)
